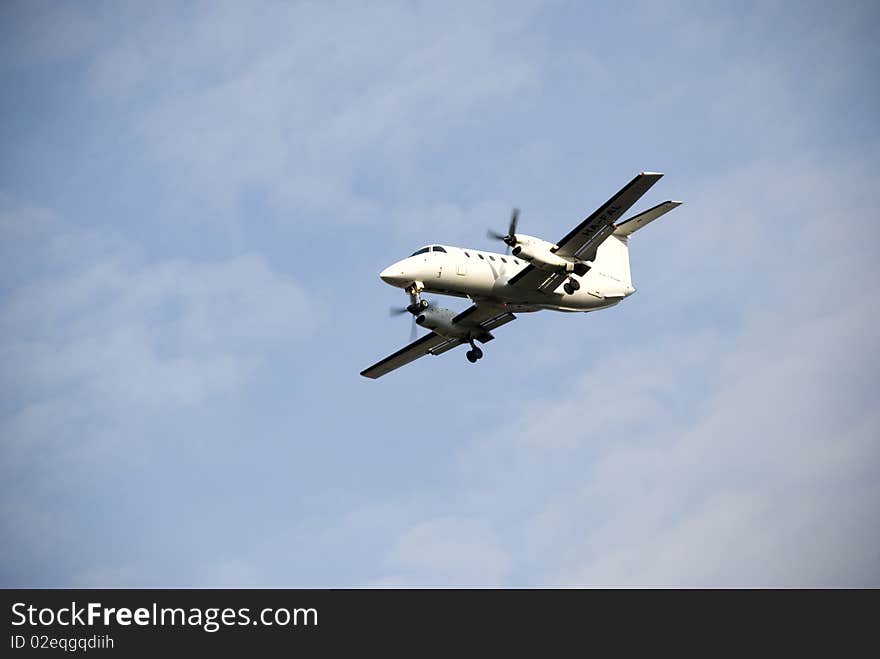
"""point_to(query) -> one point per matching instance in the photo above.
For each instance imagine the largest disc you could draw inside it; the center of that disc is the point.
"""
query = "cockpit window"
(437, 248)
(423, 250)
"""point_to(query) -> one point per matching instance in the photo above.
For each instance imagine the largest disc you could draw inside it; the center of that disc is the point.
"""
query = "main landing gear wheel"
(571, 286)
(474, 354)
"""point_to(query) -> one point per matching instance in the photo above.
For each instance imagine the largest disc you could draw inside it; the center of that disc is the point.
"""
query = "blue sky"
(196, 199)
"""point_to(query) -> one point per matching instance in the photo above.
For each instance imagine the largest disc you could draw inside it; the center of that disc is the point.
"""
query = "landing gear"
(474, 354)
(416, 303)
(571, 286)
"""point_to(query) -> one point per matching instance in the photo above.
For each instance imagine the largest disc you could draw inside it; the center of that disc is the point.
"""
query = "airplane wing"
(583, 241)
(531, 277)
(484, 315)
(480, 318)
(418, 348)
(586, 237)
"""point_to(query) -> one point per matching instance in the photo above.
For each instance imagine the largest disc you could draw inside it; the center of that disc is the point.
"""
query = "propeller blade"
(511, 231)
(514, 219)
(397, 311)
(414, 331)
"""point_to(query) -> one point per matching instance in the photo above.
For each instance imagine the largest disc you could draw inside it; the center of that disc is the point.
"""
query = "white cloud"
(448, 551)
(229, 573)
(302, 113)
(769, 484)
(106, 334)
(106, 356)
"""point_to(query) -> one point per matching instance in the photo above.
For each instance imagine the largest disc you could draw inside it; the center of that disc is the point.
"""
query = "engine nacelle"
(541, 254)
(439, 320)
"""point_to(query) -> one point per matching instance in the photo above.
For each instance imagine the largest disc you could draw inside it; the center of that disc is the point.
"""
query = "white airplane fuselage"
(477, 274)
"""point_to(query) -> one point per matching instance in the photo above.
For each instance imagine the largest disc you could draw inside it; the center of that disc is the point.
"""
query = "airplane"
(588, 269)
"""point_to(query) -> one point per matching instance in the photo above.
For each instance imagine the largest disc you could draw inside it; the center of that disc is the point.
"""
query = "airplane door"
(461, 268)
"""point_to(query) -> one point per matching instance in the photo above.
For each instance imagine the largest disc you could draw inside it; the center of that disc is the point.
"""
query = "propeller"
(510, 238)
(399, 311)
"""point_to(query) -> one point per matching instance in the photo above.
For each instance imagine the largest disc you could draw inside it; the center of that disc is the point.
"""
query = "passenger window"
(503, 260)
(481, 256)
(491, 258)
(467, 255)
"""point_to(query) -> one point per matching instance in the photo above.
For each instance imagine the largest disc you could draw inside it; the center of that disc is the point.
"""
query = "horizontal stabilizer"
(636, 222)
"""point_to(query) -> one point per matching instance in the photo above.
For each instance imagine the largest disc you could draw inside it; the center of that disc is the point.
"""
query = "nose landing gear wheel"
(418, 306)
(471, 357)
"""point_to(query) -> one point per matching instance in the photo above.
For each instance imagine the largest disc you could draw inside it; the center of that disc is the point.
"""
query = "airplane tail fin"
(612, 259)
(613, 253)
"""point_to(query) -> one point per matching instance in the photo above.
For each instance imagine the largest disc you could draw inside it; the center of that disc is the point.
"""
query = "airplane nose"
(393, 275)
